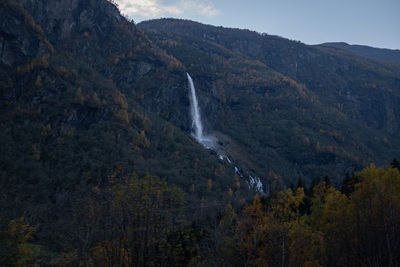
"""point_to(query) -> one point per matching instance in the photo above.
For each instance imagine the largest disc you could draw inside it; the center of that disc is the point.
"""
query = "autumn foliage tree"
(376, 213)
(135, 222)
(14, 249)
(359, 228)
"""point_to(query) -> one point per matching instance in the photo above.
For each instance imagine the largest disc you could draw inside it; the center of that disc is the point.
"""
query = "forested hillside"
(99, 167)
(292, 109)
(71, 117)
(383, 54)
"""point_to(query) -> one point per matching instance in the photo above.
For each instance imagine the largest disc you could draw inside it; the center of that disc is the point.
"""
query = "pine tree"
(300, 183)
(348, 184)
(327, 180)
(395, 164)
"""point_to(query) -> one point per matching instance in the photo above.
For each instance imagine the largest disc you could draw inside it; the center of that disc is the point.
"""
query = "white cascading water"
(210, 142)
(206, 141)
(195, 112)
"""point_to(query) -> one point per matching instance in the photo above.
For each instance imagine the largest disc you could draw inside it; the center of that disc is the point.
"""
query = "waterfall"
(195, 112)
(210, 142)
(206, 141)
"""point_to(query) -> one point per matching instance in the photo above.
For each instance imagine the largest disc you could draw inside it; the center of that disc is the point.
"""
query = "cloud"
(202, 7)
(147, 8)
(156, 8)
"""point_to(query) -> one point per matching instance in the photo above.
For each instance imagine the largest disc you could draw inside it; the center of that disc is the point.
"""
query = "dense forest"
(145, 222)
(99, 167)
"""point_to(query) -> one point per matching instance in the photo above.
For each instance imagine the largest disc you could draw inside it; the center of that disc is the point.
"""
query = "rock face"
(96, 32)
(21, 37)
(61, 19)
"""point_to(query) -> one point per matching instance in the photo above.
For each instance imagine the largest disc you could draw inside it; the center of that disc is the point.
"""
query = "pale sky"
(367, 22)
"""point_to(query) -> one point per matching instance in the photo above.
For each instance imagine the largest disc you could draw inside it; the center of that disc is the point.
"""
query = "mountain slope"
(339, 78)
(74, 86)
(384, 54)
(89, 103)
(293, 110)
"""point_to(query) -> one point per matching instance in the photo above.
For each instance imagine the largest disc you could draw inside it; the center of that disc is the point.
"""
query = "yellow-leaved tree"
(14, 249)
(139, 222)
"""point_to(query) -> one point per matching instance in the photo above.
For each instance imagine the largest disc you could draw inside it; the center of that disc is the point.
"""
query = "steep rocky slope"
(77, 83)
(295, 110)
(338, 78)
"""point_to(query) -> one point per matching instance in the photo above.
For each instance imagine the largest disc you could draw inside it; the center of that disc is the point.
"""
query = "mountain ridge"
(384, 54)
